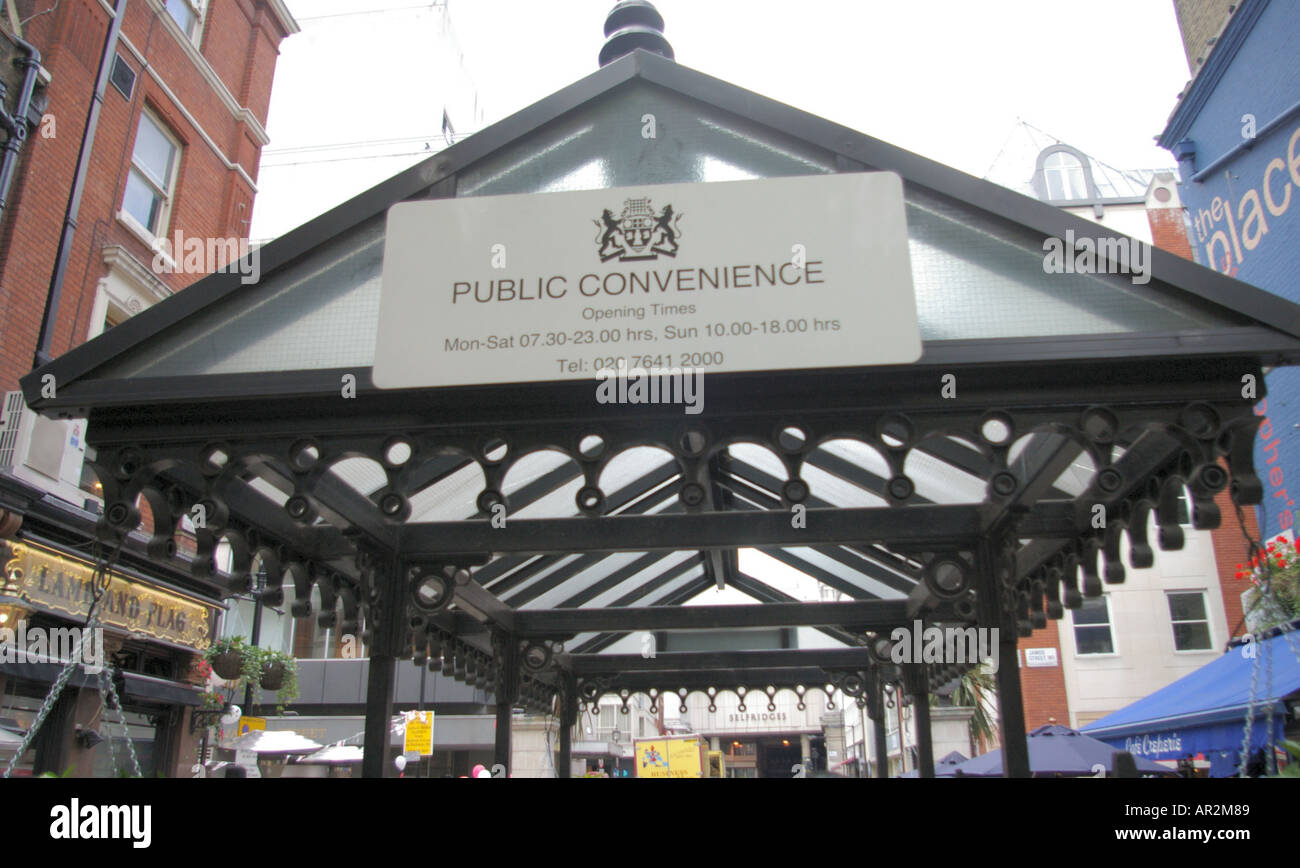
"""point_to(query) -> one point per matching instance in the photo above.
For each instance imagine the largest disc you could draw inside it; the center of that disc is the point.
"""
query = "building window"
(1191, 624)
(152, 179)
(1063, 174)
(189, 15)
(1092, 627)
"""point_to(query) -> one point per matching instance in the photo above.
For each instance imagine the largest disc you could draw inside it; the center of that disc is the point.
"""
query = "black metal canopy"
(1075, 397)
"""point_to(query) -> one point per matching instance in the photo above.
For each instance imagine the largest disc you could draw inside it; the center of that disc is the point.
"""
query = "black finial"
(630, 25)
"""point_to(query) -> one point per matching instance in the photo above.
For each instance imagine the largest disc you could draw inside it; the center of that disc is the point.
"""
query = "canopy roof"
(976, 248)
(1076, 391)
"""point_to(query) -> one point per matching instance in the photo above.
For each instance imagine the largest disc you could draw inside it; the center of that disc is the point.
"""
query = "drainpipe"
(16, 124)
(46, 339)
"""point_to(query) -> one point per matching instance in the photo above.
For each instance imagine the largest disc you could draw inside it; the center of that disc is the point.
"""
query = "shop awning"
(1205, 711)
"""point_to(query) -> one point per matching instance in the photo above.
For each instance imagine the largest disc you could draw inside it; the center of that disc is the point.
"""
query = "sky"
(947, 79)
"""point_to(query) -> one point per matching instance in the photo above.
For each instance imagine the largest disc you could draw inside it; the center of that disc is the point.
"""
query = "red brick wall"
(1229, 552)
(1169, 232)
(240, 42)
(1043, 687)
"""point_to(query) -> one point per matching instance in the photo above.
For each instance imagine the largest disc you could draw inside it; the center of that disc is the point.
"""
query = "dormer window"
(1063, 175)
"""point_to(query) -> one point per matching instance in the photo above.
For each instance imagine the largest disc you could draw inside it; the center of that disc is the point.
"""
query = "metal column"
(384, 617)
(876, 709)
(506, 651)
(918, 687)
(568, 696)
(995, 612)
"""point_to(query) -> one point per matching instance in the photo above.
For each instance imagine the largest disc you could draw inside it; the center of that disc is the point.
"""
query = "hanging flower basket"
(229, 658)
(272, 675)
(228, 665)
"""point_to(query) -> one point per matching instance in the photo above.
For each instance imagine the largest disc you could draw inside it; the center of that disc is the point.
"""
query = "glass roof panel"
(868, 585)
(976, 275)
(603, 144)
(605, 567)
(542, 573)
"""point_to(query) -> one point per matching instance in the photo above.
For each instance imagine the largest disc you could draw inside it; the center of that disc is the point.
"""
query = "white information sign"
(1039, 657)
(779, 273)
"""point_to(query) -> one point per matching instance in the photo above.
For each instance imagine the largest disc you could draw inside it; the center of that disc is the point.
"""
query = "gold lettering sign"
(63, 584)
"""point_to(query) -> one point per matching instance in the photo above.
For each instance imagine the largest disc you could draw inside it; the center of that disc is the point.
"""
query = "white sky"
(947, 79)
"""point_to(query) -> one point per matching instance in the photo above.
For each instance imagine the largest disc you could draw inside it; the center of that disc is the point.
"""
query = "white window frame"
(149, 235)
(1110, 625)
(1209, 628)
(1068, 169)
(199, 8)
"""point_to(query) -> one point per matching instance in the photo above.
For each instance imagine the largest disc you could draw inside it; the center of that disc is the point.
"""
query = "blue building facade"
(1236, 136)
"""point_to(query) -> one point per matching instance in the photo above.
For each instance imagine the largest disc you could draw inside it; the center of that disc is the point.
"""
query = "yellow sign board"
(668, 758)
(248, 724)
(419, 733)
(56, 582)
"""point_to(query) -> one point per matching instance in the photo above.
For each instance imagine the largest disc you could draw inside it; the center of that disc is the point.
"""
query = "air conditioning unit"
(47, 453)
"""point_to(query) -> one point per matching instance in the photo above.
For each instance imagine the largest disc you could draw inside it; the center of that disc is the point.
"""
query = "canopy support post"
(994, 612)
(505, 647)
(876, 710)
(568, 696)
(384, 617)
(918, 687)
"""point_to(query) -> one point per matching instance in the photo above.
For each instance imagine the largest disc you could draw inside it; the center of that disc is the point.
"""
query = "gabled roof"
(1185, 309)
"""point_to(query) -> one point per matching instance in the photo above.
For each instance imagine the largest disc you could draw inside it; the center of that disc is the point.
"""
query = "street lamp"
(258, 591)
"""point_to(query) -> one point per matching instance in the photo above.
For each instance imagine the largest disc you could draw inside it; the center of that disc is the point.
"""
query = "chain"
(106, 684)
(1268, 714)
(112, 748)
(99, 584)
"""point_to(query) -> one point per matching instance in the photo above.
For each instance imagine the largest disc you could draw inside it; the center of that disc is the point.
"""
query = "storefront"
(150, 636)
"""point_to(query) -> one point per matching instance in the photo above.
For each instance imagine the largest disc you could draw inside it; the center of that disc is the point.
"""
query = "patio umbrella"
(9, 741)
(1057, 750)
(335, 754)
(273, 748)
(942, 767)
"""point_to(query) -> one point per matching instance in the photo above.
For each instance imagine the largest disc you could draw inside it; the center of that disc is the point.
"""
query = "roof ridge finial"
(630, 25)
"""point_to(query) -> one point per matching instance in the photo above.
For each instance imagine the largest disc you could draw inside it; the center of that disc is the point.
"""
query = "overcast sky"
(947, 79)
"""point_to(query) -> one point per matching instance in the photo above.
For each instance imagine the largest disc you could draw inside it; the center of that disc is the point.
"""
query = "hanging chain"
(99, 582)
(106, 684)
(1271, 744)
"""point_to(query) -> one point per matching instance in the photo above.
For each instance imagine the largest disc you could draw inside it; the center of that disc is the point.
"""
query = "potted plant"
(228, 657)
(1281, 604)
(278, 671)
(273, 669)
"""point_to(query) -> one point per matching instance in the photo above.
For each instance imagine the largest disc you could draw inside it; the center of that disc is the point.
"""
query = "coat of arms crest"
(638, 233)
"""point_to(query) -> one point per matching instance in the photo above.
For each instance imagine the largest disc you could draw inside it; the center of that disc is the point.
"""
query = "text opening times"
(633, 346)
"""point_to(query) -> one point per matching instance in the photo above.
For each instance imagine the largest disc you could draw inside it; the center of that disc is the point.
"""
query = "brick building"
(145, 121)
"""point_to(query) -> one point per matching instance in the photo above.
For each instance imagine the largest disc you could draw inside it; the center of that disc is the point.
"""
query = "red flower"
(1271, 547)
(1240, 574)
